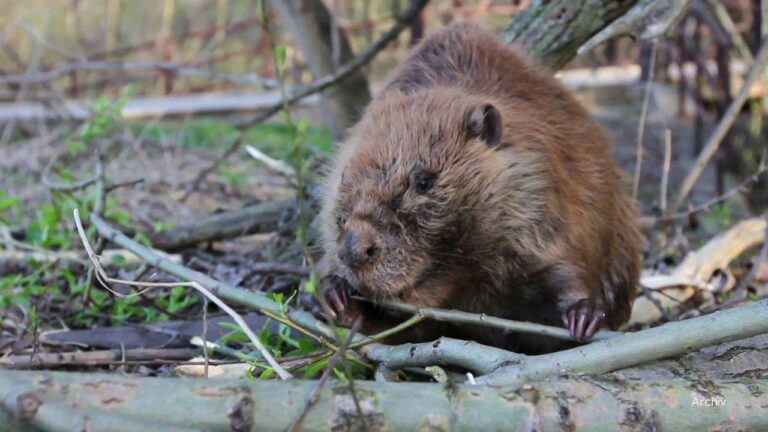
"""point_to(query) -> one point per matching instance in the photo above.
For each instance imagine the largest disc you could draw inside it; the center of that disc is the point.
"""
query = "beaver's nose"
(357, 249)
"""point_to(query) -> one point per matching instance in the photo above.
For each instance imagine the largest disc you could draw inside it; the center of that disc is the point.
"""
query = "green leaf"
(162, 226)
(306, 346)
(76, 147)
(311, 284)
(8, 203)
(314, 368)
(118, 260)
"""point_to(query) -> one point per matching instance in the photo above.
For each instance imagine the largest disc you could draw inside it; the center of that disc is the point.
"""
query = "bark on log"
(552, 31)
(65, 401)
(647, 19)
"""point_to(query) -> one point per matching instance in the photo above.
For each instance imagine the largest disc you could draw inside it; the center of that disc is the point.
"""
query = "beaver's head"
(409, 186)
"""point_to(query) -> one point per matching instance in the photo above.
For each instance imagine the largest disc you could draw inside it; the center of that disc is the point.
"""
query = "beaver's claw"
(336, 293)
(583, 319)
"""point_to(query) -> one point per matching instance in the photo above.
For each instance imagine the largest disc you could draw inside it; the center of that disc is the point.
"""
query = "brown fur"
(521, 230)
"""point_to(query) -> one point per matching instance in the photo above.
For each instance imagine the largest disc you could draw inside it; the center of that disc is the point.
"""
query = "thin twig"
(298, 319)
(64, 187)
(105, 280)
(100, 186)
(706, 205)
(206, 356)
(275, 165)
(741, 289)
(45, 178)
(313, 397)
(665, 171)
(65, 69)
(456, 316)
(713, 143)
(127, 183)
(643, 116)
(725, 19)
(664, 312)
(35, 253)
(401, 23)
(410, 322)
(353, 391)
(276, 268)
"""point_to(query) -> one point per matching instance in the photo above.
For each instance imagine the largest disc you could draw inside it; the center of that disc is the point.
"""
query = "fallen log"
(262, 217)
(66, 401)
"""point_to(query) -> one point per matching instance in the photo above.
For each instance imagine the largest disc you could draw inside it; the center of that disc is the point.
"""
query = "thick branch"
(66, 401)
(648, 19)
(261, 217)
(630, 349)
(444, 352)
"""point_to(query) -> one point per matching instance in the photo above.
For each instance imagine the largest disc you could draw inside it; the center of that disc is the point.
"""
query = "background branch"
(716, 138)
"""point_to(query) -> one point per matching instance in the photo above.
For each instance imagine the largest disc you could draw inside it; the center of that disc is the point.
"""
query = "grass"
(273, 138)
(50, 293)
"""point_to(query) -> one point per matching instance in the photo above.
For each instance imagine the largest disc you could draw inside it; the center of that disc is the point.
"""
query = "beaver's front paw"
(583, 319)
(336, 291)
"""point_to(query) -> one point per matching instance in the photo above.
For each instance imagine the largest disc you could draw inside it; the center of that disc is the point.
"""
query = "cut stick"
(698, 267)
(91, 358)
(273, 164)
(630, 349)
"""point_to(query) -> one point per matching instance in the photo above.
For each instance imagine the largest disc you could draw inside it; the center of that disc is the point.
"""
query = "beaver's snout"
(358, 248)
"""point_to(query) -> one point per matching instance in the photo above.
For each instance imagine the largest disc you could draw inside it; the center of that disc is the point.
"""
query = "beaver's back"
(590, 211)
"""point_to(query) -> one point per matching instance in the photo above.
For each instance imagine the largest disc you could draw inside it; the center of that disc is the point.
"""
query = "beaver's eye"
(423, 181)
(341, 219)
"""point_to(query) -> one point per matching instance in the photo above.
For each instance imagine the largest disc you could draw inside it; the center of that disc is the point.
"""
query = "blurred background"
(193, 66)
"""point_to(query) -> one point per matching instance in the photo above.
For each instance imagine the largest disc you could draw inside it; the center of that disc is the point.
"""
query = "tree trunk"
(552, 31)
(311, 26)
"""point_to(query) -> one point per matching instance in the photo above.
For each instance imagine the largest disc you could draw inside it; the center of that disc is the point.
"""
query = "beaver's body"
(476, 182)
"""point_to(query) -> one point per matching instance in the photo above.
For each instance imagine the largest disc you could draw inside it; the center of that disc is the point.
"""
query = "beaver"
(475, 181)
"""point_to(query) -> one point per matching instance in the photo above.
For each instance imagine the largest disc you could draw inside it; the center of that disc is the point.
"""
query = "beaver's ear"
(484, 122)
